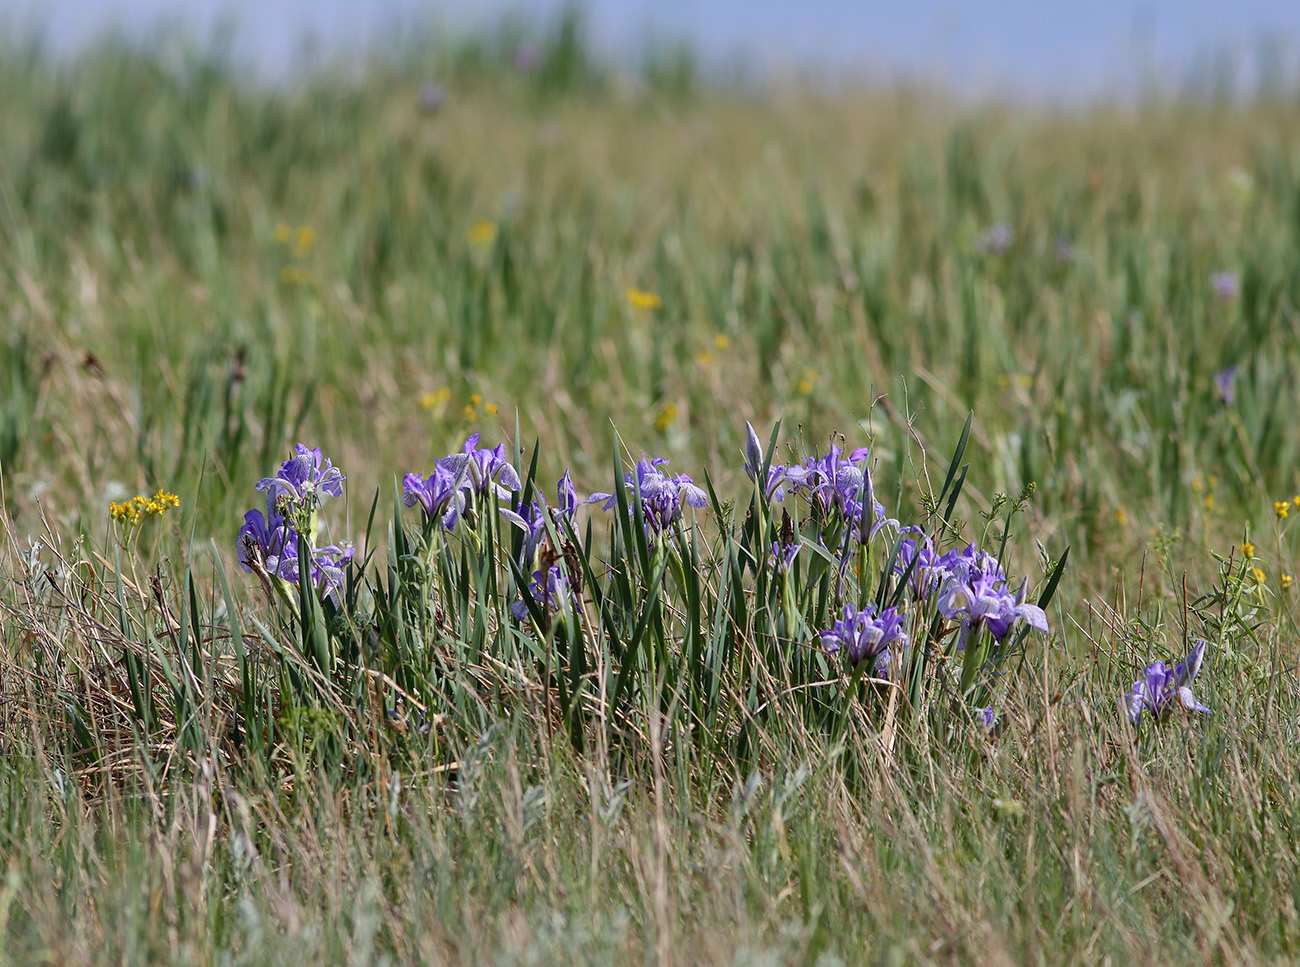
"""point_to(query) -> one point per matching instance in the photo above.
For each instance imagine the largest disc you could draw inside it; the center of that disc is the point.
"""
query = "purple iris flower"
(774, 488)
(1160, 689)
(835, 486)
(531, 519)
(987, 718)
(1223, 387)
(930, 571)
(661, 495)
(867, 636)
(303, 478)
(566, 496)
(1224, 284)
(486, 470)
(986, 602)
(783, 555)
(440, 494)
(268, 543)
(551, 591)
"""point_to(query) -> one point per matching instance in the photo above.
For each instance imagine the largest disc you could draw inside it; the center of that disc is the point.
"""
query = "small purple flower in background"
(662, 496)
(968, 565)
(526, 57)
(440, 494)
(485, 470)
(432, 97)
(1225, 284)
(1223, 387)
(867, 636)
(303, 479)
(1064, 250)
(550, 591)
(996, 240)
(1160, 690)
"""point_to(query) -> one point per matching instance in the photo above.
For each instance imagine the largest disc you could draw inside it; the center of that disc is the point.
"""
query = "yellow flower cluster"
(641, 299)
(302, 241)
(666, 418)
(810, 379)
(435, 398)
(137, 508)
(1281, 507)
(471, 408)
(482, 233)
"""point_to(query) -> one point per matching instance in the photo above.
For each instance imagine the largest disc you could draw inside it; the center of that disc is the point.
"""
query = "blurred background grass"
(197, 272)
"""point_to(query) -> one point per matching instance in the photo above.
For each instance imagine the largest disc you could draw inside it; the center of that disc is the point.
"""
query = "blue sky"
(1022, 46)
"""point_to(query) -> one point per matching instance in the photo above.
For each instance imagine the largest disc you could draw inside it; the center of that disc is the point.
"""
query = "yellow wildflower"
(1121, 517)
(640, 299)
(304, 241)
(1209, 501)
(1282, 507)
(475, 399)
(482, 233)
(667, 416)
(722, 342)
(282, 233)
(435, 398)
(1286, 581)
(490, 409)
(469, 412)
(1247, 549)
(133, 511)
(1259, 575)
(704, 359)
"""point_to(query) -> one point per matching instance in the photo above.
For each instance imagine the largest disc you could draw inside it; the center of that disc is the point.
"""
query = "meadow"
(975, 414)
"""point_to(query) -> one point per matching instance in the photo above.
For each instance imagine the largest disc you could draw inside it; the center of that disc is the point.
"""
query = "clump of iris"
(268, 544)
(837, 488)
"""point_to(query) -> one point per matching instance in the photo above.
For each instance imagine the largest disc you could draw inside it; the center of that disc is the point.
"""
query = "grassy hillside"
(429, 756)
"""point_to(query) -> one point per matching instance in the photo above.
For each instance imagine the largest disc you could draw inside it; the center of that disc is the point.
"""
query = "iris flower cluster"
(971, 588)
(837, 487)
(460, 479)
(661, 496)
(868, 635)
(268, 543)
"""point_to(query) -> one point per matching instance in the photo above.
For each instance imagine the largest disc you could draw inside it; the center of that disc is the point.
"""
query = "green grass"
(196, 273)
